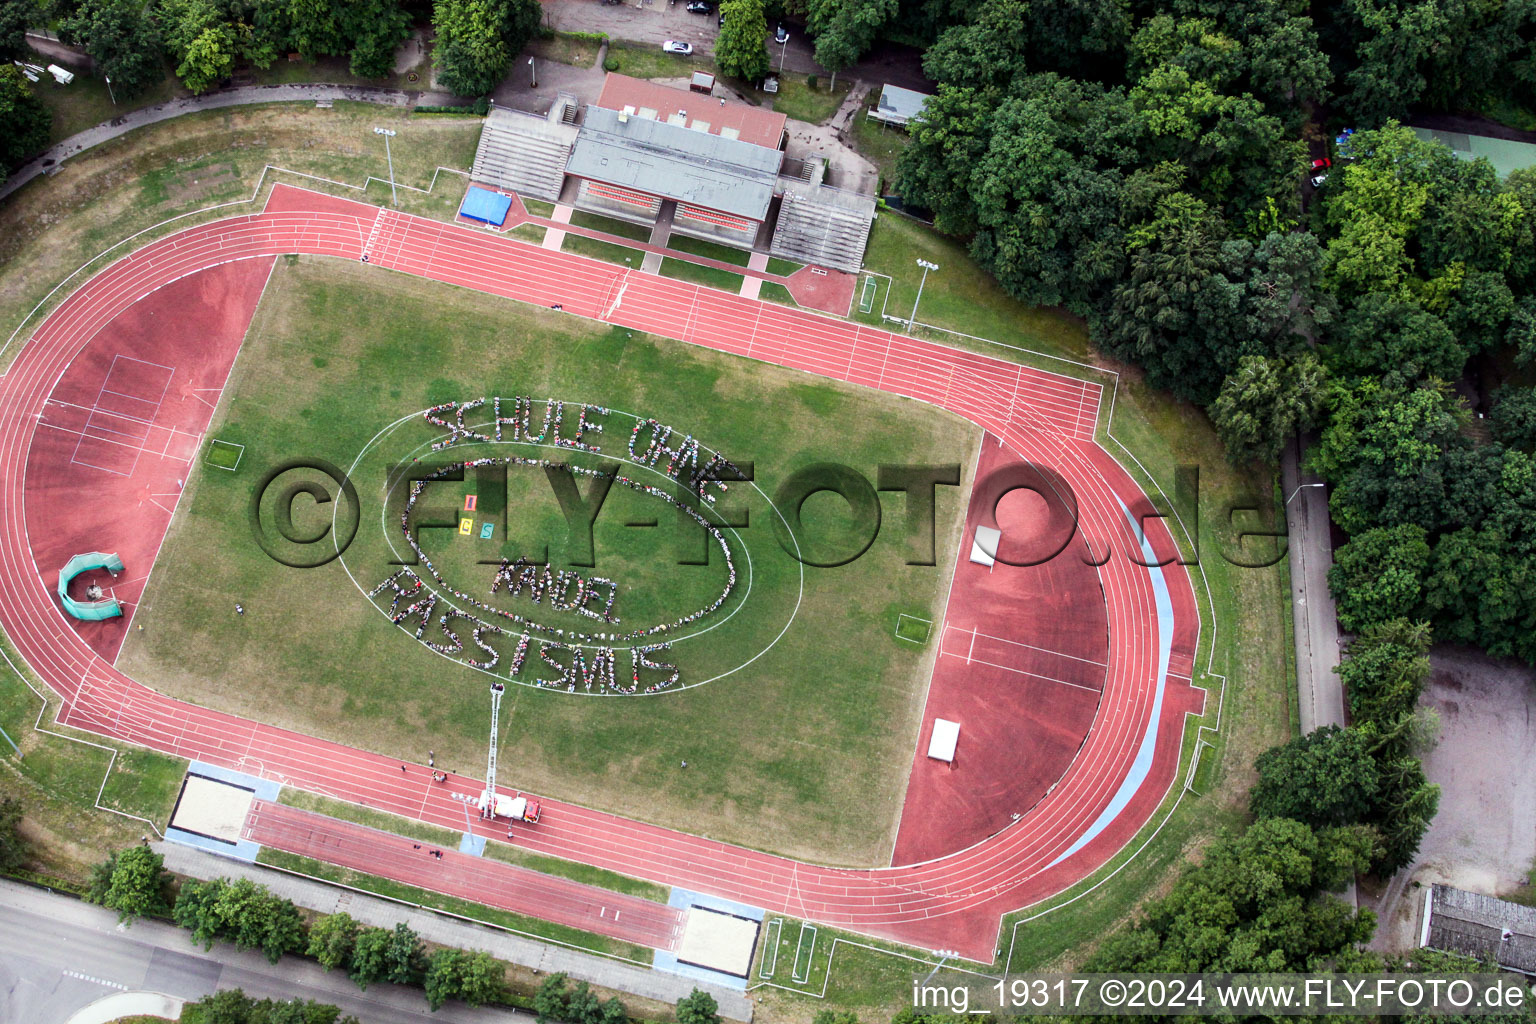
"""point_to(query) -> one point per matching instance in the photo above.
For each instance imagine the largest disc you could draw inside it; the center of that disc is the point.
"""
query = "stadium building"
(680, 162)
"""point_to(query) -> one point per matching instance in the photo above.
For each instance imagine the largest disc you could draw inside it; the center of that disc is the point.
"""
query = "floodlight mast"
(488, 798)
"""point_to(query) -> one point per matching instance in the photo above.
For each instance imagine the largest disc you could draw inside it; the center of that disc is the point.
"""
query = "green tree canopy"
(740, 49)
(477, 39)
(123, 41)
(24, 122)
(132, 882)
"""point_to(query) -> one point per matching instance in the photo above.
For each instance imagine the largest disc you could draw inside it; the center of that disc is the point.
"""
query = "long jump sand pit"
(211, 808)
(718, 941)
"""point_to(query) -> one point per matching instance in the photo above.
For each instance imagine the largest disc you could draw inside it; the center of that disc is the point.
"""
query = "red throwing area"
(1023, 649)
(505, 886)
(1128, 760)
(122, 427)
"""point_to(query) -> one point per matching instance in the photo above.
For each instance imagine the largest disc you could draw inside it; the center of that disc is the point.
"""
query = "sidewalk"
(105, 132)
(435, 927)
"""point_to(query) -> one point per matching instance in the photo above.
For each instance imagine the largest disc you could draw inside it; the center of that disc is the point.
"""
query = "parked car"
(1321, 164)
(721, 22)
(780, 33)
(698, 7)
(673, 46)
(1318, 179)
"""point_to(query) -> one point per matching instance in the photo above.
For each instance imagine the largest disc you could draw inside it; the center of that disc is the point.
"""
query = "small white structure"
(984, 545)
(946, 735)
(31, 71)
(61, 75)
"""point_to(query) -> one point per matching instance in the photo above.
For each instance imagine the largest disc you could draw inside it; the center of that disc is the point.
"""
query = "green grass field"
(709, 250)
(793, 751)
(600, 250)
(714, 277)
(796, 99)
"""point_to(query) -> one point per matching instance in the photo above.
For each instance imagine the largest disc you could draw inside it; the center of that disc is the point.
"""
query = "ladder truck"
(499, 805)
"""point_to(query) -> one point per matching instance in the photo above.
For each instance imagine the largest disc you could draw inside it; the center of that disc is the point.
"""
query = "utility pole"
(388, 134)
(533, 72)
(912, 323)
(109, 89)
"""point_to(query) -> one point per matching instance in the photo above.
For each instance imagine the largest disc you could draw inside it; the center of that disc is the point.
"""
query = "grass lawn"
(537, 207)
(223, 454)
(601, 250)
(85, 102)
(772, 291)
(642, 60)
(880, 144)
(529, 233)
(57, 782)
(56, 224)
(799, 101)
(612, 225)
(709, 250)
(578, 49)
(793, 752)
(782, 267)
(712, 276)
(959, 296)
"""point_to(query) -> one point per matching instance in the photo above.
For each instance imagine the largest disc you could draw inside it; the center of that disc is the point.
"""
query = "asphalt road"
(58, 955)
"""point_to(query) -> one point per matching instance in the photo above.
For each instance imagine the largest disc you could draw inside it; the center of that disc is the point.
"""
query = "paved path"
(59, 956)
(1316, 626)
(81, 141)
(452, 931)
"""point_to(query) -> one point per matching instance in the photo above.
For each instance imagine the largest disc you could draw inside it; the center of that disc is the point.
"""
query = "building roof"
(1504, 154)
(757, 125)
(898, 105)
(1482, 927)
(822, 225)
(523, 153)
(687, 164)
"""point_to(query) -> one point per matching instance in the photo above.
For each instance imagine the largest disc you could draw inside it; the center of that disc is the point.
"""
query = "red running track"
(1127, 763)
(480, 879)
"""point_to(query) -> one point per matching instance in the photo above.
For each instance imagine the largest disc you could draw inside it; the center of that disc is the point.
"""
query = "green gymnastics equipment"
(90, 611)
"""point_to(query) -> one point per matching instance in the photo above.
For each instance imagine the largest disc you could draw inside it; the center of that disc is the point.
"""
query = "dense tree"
(1255, 903)
(739, 50)
(477, 39)
(472, 978)
(132, 882)
(1396, 454)
(1324, 779)
(16, 16)
(233, 1006)
(392, 955)
(24, 122)
(331, 940)
(14, 853)
(242, 911)
(845, 29)
(1379, 575)
(124, 42)
(552, 1002)
(1513, 418)
(698, 1007)
(1384, 330)
(208, 59)
(1264, 402)
(1385, 671)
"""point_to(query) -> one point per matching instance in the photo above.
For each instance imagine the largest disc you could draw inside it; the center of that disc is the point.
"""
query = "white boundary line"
(228, 444)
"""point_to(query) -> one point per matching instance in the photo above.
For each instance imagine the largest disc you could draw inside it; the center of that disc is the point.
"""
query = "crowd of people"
(521, 422)
(592, 653)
